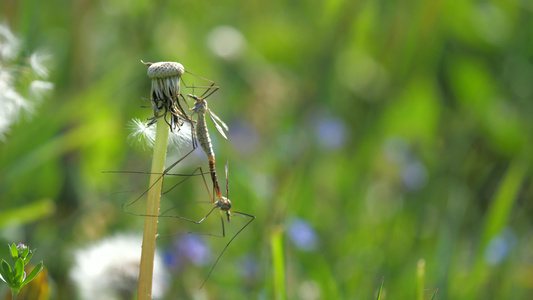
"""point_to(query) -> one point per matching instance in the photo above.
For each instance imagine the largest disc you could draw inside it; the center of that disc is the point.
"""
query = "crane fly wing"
(214, 118)
(218, 119)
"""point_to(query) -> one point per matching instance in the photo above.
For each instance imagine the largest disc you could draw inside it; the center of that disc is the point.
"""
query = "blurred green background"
(364, 136)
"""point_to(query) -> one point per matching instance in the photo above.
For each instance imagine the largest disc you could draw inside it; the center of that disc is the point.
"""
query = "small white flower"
(110, 269)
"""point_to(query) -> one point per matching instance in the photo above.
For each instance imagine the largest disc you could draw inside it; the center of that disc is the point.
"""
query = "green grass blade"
(380, 287)
(14, 252)
(19, 271)
(25, 253)
(7, 273)
(496, 219)
(38, 268)
(435, 294)
(27, 213)
(278, 262)
(420, 273)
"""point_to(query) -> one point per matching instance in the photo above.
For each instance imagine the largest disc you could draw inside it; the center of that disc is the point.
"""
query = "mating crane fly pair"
(165, 98)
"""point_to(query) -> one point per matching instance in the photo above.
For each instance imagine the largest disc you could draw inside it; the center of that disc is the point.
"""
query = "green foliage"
(16, 277)
(380, 288)
(397, 130)
(433, 297)
(278, 264)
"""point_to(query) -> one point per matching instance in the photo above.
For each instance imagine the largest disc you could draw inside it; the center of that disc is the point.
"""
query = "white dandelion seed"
(15, 100)
(110, 269)
(37, 60)
(181, 138)
(11, 103)
(9, 44)
(145, 135)
(40, 88)
(141, 133)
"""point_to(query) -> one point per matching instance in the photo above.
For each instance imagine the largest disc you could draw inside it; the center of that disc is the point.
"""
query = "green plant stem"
(152, 210)
(278, 262)
(420, 274)
(498, 214)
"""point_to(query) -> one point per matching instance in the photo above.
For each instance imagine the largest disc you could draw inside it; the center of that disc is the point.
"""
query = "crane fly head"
(199, 103)
(225, 205)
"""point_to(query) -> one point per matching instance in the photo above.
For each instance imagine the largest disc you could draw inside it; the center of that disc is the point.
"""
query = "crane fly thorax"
(223, 203)
(200, 106)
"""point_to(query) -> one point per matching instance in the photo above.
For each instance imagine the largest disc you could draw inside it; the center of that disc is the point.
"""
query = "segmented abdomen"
(203, 137)
(205, 142)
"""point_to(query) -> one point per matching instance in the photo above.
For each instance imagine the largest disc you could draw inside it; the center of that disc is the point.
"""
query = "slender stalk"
(496, 219)
(152, 209)
(278, 263)
(420, 274)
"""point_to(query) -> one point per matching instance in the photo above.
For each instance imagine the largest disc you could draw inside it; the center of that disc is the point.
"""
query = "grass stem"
(278, 262)
(420, 274)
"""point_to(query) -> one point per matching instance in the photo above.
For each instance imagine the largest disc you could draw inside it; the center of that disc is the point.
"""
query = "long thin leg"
(208, 88)
(196, 222)
(192, 174)
(212, 92)
(166, 171)
(179, 217)
(231, 240)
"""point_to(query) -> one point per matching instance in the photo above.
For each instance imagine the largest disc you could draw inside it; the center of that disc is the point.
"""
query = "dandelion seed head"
(165, 69)
(110, 269)
(165, 83)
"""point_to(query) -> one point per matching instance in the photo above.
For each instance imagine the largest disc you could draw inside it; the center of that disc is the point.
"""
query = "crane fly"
(200, 136)
(224, 205)
(167, 101)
